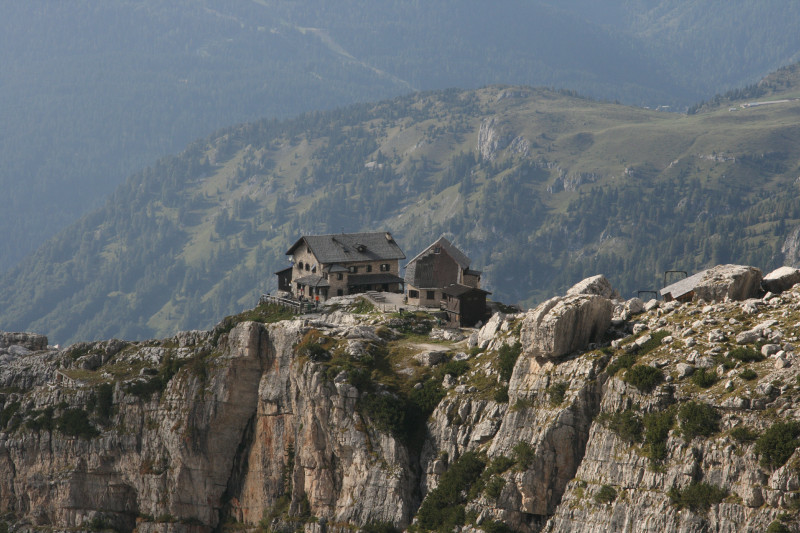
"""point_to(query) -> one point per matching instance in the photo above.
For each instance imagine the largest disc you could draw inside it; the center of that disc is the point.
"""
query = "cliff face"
(687, 421)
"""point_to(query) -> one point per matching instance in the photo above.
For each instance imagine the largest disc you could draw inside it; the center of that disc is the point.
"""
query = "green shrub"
(495, 526)
(778, 443)
(557, 391)
(623, 361)
(499, 464)
(501, 394)
(748, 374)
(743, 435)
(427, 397)
(386, 411)
(698, 420)
(494, 487)
(379, 527)
(626, 424)
(746, 354)
(605, 495)
(475, 350)
(704, 378)
(697, 497)
(75, 422)
(105, 401)
(644, 377)
(7, 413)
(524, 455)
(506, 359)
(656, 432)
(168, 368)
(777, 527)
(443, 507)
(653, 343)
(454, 368)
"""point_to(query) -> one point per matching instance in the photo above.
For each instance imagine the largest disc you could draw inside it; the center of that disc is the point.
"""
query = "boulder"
(733, 282)
(562, 325)
(684, 370)
(598, 285)
(634, 306)
(781, 279)
(431, 358)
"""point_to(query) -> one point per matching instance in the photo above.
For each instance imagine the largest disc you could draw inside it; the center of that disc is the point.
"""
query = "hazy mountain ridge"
(539, 188)
(90, 92)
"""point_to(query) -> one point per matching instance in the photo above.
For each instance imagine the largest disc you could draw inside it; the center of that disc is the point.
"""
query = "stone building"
(438, 266)
(324, 266)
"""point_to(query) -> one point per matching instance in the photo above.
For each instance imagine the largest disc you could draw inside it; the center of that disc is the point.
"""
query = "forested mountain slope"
(539, 188)
(91, 92)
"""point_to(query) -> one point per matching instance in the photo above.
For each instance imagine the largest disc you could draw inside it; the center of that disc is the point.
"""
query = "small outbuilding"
(465, 305)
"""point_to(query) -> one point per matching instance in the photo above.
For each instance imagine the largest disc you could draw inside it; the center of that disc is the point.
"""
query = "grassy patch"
(362, 306)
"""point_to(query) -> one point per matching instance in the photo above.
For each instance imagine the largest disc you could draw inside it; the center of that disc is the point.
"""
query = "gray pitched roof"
(684, 286)
(351, 247)
(457, 290)
(457, 255)
(313, 280)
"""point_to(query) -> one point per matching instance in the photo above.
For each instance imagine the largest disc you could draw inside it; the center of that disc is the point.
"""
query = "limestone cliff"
(656, 417)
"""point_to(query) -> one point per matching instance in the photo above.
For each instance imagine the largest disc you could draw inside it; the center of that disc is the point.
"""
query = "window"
(385, 267)
(300, 265)
(339, 292)
(431, 295)
(353, 269)
(340, 277)
(369, 268)
(307, 267)
(437, 249)
(413, 294)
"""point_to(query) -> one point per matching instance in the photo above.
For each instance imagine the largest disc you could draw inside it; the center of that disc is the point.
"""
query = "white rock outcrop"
(562, 325)
(781, 279)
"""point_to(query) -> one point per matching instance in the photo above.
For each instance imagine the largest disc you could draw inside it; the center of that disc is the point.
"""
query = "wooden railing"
(296, 306)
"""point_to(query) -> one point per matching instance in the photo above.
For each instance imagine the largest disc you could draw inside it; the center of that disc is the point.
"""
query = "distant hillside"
(91, 92)
(540, 188)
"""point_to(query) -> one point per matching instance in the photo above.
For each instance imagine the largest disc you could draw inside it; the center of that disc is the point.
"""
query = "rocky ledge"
(588, 413)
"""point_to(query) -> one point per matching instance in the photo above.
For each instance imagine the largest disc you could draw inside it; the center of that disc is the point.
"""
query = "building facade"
(324, 266)
(438, 266)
